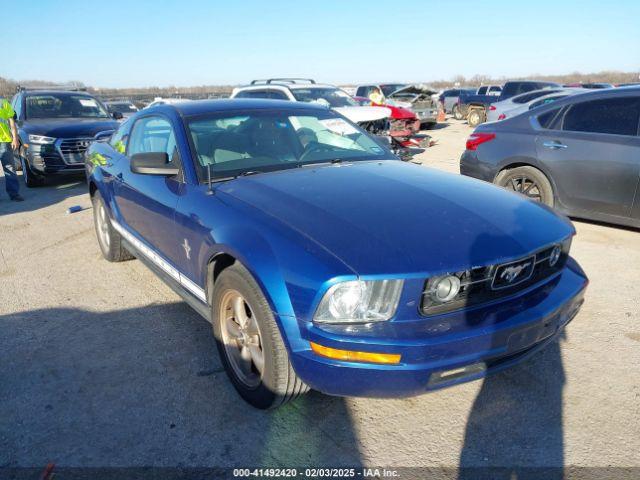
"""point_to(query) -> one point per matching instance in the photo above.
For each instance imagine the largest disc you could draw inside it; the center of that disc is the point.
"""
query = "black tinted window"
(617, 116)
(253, 94)
(526, 98)
(546, 119)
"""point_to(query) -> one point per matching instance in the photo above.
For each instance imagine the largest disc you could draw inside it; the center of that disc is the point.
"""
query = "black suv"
(55, 128)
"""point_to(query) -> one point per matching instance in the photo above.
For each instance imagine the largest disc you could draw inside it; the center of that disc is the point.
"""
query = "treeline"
(8, 86)
(612, 77)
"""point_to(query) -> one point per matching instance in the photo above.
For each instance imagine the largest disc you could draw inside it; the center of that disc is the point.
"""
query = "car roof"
(290, 86)
(57, 92)
(199, 107)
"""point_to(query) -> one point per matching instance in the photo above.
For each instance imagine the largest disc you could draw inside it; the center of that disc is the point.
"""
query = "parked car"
(55, 127)
(402, 129)
(474, 107)
(414, 97)
(167, 101)
(544, 100)
(521, 102)
(419, 98)
(580, 155)
(125, 108)
(324, 262)
(308, 91)
(449, 100)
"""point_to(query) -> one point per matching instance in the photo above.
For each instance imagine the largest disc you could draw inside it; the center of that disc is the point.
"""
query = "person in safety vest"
(376, 96)
(9, 143)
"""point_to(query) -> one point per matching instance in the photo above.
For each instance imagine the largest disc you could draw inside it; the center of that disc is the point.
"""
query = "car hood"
(364, 114)
(68, 127)
(390, 217)
(416, 88)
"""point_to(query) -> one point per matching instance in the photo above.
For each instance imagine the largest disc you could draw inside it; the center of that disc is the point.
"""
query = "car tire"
(455, 111)
(475, 117)
(109, 239)
(31, 180)
(528, 181)
(247, 336)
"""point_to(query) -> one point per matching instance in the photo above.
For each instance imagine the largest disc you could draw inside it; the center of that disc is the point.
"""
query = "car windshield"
(390, 88)
(330, 97)
(52, 105)
(122, 107)
(248, 142)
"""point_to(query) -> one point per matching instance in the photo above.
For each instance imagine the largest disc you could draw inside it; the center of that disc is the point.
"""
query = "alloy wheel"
(526, 186)
(241, 338)
(103, 227)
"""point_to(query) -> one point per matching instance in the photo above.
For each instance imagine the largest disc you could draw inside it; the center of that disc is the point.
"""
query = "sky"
(141, 43)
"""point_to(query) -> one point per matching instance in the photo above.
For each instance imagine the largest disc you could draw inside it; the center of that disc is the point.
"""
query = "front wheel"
(109, 240)
(528, 181)
(31, 180)
(249, 341)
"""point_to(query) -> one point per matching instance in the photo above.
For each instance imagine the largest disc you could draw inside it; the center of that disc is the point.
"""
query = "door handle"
(554, 145)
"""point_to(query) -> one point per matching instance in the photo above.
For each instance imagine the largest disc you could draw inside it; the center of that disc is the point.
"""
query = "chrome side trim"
(160, 262)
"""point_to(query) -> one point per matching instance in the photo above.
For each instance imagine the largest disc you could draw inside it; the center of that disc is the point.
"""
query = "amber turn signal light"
(351, 356)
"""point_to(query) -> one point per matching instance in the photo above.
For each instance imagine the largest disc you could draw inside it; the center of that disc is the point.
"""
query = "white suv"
(307, 90)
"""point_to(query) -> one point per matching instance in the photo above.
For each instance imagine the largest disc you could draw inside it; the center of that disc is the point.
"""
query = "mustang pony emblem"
(187, 248)
(509, 274)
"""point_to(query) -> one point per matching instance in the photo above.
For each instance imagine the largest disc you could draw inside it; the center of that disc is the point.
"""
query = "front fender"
(289, 269)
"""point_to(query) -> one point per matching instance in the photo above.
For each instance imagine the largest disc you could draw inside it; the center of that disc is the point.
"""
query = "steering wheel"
(315, 147)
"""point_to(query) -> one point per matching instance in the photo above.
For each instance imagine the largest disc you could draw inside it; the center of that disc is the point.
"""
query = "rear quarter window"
(546, 120)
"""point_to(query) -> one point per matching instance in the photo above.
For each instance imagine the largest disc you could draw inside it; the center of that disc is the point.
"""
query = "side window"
(617, 116)
(153, 134)
(363, 91)
(544, 101)
(118, 140)
(482, 91)
(277, 95)
(253, 94)
(16, 104)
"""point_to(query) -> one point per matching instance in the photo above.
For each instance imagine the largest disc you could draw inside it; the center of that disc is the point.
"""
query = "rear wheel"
(475, 117)
(455, 111)
(249, 341)
(528, 181)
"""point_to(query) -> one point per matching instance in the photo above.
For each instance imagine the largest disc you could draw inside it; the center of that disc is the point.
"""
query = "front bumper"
(51, 159)
(496, 337)
(427, 116)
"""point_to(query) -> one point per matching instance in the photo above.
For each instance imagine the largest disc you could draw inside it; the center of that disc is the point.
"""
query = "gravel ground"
(102, 365)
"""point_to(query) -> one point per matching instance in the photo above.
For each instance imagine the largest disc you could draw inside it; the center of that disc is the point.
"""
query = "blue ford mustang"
(321, 260)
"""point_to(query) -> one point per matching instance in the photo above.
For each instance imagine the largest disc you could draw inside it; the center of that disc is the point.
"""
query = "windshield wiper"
(248, 172)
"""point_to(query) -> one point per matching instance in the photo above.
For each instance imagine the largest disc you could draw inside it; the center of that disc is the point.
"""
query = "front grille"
(73, 149)
(482, 284)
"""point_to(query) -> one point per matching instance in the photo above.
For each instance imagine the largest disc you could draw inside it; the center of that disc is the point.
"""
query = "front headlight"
(359, 301)
(41, 139)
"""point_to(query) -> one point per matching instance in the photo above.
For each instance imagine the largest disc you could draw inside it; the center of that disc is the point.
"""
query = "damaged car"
(419, 98)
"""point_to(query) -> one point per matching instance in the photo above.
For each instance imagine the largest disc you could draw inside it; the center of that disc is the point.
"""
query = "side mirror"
(153, 163)
(117, 115)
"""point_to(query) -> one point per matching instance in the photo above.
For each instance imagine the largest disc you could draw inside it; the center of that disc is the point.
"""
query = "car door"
(147, 203)
(593, 153)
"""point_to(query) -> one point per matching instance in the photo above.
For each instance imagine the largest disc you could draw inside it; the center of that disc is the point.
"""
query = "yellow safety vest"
(6, 112)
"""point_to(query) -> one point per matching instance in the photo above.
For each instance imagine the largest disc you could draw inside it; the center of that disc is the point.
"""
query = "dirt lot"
(102, 365)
